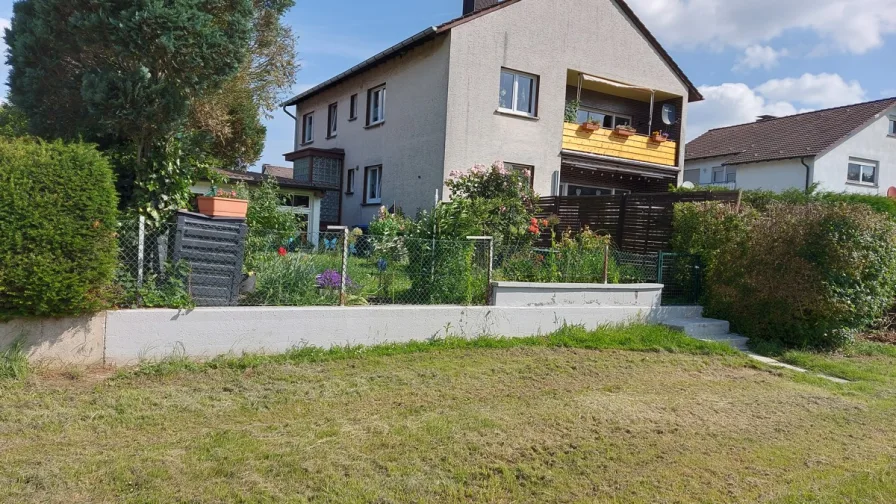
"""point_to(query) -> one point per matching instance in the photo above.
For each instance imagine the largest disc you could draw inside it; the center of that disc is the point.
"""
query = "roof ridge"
(766, 121)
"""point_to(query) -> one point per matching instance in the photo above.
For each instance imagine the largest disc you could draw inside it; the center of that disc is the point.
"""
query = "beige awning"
(592, 78)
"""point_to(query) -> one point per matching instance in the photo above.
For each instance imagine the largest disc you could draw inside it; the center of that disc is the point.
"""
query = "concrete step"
(737, 341)
(699, 327)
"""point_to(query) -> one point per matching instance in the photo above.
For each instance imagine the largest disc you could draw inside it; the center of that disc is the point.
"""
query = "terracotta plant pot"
(658, 138)
(223, 207)
(624, 132)
(589, 126)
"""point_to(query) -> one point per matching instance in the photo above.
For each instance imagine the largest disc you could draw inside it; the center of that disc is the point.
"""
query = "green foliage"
(571, 259)
(500, 202)
(13, 361)
(124, 74)
(285, 281)
(703, 229)
(57, 228)
(269, 227)
(806, 275)
(571, 112)
(387, 235)
(13, 122)
(440, 259)
(168, 289)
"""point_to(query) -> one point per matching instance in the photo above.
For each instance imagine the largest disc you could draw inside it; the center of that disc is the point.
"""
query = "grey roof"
(801, 135)
(433, 31)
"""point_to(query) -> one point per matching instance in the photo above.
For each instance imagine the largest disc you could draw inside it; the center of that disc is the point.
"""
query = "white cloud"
(855, 26)
(821, 91)
(759, 56)
(736, 103)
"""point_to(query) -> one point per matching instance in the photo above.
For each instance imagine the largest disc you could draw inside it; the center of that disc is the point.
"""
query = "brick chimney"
(471, 6)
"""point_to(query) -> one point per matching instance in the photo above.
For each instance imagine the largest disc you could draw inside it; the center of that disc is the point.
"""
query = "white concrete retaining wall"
(570, 294)
(129, 336)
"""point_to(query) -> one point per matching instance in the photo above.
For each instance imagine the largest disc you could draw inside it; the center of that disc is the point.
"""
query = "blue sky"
(748, 58)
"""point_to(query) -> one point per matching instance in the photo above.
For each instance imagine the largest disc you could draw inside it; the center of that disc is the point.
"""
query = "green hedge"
(58, 218)
(805, 275)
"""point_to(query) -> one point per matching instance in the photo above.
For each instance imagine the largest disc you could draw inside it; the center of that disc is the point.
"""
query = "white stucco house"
(843, 149)
(497, 84)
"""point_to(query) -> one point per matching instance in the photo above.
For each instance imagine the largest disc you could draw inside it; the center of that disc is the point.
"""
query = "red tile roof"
(801, 135)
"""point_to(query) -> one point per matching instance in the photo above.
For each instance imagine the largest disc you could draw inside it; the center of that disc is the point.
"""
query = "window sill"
(350, 119)
(349, 193)
(375, 125)
(892, 135)
(330, 137)
(513, 113)
(306, 143)
(862, 184)
(372, 203)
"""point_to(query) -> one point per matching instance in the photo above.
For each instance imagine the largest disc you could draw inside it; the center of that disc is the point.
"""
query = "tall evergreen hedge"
(58, 213)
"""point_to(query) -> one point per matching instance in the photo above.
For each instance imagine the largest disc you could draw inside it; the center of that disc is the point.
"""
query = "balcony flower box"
(591, 126)
(223, 205)
(659, 137)
(625, 131)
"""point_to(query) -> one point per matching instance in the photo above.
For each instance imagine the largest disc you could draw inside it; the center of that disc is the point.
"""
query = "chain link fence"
(184, 264)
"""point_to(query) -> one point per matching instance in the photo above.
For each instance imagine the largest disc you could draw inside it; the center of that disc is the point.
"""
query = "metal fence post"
(141, 243)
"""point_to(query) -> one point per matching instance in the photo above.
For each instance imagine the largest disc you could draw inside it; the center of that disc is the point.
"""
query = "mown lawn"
(567, 418)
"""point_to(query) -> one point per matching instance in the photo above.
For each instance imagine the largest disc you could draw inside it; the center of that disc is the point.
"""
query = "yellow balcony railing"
(607, 143)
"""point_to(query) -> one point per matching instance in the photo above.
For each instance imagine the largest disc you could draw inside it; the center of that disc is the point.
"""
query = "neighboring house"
(300, 198)
(843, 149)
(494, 85)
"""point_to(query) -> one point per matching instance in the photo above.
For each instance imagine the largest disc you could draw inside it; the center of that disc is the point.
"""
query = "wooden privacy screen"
(640, 223)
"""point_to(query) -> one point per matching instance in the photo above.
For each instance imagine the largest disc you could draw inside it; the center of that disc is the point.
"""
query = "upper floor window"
(332, 116)
(607, 120)
(353, 107)
(376, 105)
(518, 93)
(308, 128)
(893, 126)
(862, 172)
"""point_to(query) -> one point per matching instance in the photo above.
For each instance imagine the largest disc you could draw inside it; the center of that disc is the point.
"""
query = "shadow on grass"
(636, 338)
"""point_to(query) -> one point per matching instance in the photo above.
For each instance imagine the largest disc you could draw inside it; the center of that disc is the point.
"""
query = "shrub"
(500, 201)
(387, 232)
(57, 228)
(269, 227)
(571, 259)
(702, 229)
(806, 275)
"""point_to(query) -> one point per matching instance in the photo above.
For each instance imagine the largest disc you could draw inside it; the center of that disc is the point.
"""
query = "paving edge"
(775, 363)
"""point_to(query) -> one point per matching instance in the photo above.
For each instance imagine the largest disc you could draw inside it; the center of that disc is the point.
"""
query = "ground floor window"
(527, 170)
(583, 190)
(373, 181)
(862, 172)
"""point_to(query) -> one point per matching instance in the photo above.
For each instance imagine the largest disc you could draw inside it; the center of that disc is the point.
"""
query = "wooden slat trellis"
(640, 223)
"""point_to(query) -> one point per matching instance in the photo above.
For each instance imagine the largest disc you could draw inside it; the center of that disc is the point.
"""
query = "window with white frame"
(350, 181)
(692, 176)
(718, 174)
(332, 119)
(373, 182)
(585, 190)
(308, 128)
(605, 119)
(862, 172)
(893, 126)
(376, 105)
(518, 93)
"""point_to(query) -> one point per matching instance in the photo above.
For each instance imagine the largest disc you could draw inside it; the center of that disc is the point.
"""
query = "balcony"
(596, 106)
(605, 142)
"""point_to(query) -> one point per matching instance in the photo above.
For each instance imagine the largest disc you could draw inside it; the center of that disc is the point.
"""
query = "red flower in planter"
(282, 252)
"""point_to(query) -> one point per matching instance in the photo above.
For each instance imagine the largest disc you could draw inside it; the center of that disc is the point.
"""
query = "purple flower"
(332, 279)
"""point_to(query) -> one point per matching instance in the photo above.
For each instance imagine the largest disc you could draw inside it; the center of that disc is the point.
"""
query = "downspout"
(294, 118)
(808, 173)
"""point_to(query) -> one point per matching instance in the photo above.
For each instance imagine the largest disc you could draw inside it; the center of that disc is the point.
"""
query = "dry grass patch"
(452, 423)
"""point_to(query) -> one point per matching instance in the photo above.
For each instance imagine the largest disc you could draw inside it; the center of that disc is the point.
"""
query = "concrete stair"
(708, 330)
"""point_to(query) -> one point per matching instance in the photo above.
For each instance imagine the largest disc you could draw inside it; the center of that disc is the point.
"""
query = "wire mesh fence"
(185, 264)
